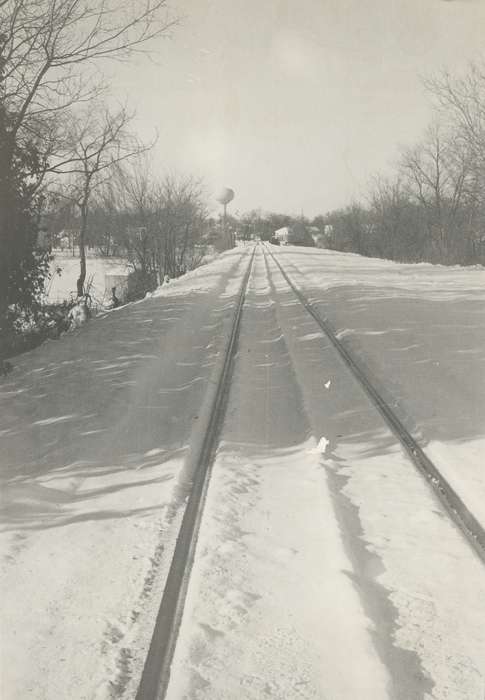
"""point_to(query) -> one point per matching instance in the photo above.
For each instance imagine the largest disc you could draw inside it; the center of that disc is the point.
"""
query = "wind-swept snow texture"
(325, 568)
(94, 429)
(418, 331)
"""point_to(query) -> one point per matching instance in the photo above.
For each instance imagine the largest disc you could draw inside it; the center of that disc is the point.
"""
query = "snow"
(321, 558)
(95, 431)
(259, 619)
(463, 465)
(63, 286)
(79, 556)
(270, 610)
(321, 448)
(325, 566)
(419, 332)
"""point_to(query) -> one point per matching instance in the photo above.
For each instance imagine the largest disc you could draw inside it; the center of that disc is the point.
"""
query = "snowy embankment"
(94, 432)
(419, 332)
(325, 567)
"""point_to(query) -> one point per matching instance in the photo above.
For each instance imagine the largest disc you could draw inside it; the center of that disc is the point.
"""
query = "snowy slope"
(94, 429)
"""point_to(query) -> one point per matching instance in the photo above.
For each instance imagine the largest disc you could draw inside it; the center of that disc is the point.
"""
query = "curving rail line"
(459, 513)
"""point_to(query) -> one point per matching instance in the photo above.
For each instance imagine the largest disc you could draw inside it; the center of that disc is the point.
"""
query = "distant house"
(282, 235)
(294, 234)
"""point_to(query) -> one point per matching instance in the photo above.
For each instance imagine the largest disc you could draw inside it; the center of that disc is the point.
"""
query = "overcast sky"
(295, 104)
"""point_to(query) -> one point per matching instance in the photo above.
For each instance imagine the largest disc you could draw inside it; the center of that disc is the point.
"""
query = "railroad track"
(156, 673)
(457, 510)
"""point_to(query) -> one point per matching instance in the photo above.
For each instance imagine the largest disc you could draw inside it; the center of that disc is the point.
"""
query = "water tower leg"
(224, 221)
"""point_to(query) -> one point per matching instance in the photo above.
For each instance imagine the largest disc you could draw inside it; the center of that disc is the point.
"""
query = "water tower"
(225, 196)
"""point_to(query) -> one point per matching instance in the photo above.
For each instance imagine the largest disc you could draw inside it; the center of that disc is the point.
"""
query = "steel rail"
(156, 672)
(457, 510)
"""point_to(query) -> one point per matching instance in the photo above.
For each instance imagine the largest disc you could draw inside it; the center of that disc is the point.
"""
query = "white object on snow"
(321, 447)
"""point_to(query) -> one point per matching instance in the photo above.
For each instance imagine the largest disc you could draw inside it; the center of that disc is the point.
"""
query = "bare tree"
(182, 215)
(49, 50)
(396, 221)
(51, 53)
(462, 103)
(161, 225)
(101, 142)
(439, 174)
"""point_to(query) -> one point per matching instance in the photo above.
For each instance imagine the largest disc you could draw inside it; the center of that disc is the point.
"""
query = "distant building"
(282, 235)
(294, 234)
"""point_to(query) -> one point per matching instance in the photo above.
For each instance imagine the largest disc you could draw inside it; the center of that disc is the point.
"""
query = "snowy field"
(325, 567)
(63, 286)
(100, 272)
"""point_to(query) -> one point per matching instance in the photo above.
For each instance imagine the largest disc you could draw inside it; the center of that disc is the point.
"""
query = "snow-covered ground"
(335, 573)
(325, 567)
(101, 274)
(94, 431)
(62, 286)
(419, 332)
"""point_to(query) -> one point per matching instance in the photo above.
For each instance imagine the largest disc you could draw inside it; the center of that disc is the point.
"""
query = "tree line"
(433, 208)
(60, 141)
(160, 225)
(68, 158)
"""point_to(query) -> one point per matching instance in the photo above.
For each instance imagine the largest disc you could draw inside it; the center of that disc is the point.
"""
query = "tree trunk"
(7, 216)
(82, 248)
